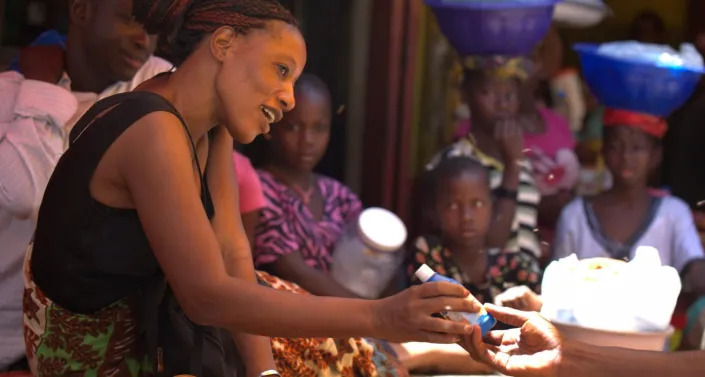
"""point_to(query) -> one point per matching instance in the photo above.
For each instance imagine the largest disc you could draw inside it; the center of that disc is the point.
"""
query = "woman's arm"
(293, 267)
(155, 165)
(222, 183)
(582, 360)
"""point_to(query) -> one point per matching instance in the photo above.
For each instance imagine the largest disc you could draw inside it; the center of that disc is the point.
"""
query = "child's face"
(464, 207)
(300, 140)
(630, 155)
(492, 100)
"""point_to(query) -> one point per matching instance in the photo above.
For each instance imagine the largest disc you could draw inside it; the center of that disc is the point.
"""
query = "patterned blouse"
(504, 269)
(523, 237)
(287, 225)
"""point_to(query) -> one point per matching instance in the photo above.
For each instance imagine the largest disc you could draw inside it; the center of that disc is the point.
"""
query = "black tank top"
(87, 255)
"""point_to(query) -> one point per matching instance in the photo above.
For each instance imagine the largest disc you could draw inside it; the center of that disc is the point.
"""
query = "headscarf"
(649, 124)
(500, 66)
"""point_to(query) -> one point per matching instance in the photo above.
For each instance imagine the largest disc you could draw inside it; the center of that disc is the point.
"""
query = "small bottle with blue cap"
(481, 318)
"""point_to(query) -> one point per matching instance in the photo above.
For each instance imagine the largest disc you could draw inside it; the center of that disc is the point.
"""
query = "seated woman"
(458, 203)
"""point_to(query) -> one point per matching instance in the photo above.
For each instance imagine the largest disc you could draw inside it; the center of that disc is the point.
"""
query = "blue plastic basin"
(635, 85)
(487, 27)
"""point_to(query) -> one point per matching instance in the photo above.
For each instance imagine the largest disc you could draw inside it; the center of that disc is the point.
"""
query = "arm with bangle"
(504, 207)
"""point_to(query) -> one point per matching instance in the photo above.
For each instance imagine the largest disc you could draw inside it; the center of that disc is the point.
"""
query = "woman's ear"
(222, 40)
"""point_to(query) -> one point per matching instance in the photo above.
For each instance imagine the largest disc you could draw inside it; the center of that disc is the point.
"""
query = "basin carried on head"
(636, 85)
(493, 27)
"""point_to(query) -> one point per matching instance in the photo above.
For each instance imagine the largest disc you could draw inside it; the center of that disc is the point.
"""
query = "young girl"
(496, 141)
(458, 202)
(613, 223)
(306, 213)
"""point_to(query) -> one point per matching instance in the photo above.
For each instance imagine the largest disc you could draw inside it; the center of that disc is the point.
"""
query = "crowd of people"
(132, 233)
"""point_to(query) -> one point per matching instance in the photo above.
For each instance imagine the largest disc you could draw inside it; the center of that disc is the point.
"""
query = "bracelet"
(270, 372)
(503, 193)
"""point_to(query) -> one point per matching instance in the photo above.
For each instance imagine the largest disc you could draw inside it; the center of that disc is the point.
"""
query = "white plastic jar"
(369, 253)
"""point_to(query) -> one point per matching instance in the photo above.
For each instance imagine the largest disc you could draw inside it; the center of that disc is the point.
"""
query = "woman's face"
(301, 139)
(255, 84)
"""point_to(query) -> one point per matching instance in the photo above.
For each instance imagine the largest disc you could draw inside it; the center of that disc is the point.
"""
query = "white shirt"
(669, 227)
(35, 121)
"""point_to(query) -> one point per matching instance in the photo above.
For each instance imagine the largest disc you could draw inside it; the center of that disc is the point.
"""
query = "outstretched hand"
(531, 350)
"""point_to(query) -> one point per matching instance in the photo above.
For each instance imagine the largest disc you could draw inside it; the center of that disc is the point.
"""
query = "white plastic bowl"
(647, 341)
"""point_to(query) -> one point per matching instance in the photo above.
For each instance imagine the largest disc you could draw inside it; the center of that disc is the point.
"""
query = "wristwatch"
(270, 372)
(503, 193)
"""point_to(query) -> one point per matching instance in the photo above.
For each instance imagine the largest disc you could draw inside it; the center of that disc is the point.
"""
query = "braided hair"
(182, 24)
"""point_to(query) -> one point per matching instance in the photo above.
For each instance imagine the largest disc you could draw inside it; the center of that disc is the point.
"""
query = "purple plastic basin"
(493, 27)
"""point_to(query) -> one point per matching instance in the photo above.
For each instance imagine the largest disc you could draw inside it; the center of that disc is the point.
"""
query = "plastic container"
(635, 85)
(368, 256)
(482, 318)
(567, 91)
(580, 13)
(647, 341)
(493, 27)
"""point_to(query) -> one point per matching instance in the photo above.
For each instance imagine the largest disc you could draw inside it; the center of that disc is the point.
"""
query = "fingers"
(467, 304)
(494, 338)
(438, 289)
(476, 348)
(445, 326)
(509, 316)
(439, 338)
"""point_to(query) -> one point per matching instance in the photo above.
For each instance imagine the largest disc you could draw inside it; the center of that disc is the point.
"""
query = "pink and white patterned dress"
(287, 225)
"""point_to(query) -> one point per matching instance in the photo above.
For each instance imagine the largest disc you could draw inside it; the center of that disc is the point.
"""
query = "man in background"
(51, 85)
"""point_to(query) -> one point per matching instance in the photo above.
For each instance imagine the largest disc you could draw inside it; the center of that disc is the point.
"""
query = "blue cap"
(486, 323)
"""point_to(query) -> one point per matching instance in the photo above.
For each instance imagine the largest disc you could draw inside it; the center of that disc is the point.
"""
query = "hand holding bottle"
(407, 316)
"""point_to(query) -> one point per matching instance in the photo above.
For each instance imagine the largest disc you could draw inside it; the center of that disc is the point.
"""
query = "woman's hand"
(532, 350)
(407, 316)
(521, 298)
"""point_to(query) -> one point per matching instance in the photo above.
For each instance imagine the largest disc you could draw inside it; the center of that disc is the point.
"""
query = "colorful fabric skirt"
(63, 343)
(328, 357)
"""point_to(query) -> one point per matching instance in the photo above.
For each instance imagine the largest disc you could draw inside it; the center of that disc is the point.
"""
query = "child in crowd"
(458, 203)
(613, 223)
(306, 213)
(496, 141)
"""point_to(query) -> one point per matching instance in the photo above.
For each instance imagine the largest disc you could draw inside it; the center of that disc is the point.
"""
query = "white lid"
(424, 273)
(381, 229)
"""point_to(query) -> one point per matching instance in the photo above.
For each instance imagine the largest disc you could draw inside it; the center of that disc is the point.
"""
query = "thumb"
(509, 316)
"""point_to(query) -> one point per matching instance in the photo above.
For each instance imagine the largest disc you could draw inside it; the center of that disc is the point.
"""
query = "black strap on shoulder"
(90, 138)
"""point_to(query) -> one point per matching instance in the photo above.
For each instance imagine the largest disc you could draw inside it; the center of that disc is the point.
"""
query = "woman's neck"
(190, 91)
(301, 179)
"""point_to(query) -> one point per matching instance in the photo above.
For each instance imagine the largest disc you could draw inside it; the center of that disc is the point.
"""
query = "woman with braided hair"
(146, 193)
